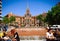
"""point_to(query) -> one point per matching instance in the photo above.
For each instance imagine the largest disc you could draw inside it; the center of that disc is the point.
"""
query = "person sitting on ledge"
(49, 35)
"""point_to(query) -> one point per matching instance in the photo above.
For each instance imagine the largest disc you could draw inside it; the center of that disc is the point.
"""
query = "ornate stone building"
(26, 20)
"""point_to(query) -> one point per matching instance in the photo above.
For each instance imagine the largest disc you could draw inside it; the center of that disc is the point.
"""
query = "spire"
(10, 12)
(27, 5)
(27, 11)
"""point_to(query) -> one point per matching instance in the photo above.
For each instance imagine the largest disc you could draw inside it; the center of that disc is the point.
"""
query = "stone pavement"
(32, 40)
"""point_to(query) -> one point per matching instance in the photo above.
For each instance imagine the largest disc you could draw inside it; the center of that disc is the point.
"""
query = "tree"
(40, 18)
(5, 20)
(11, 19)
(49, 18)
(53, 16)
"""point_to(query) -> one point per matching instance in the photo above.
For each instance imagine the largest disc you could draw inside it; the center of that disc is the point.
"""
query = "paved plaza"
(32, 40)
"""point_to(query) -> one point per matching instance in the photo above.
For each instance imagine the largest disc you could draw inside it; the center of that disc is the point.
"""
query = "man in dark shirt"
(16, 36)
(56, 34)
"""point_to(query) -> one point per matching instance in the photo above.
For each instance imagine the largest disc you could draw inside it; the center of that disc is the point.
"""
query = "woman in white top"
(49, 35)
(7, 38)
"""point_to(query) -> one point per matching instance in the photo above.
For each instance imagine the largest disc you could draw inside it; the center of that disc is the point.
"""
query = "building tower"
(28, 10)
(0, 10)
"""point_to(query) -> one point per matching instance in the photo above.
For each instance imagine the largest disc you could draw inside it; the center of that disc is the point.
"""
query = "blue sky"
(19, 7)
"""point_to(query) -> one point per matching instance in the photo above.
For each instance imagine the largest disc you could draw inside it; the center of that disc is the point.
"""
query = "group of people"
(9, 36)
(53, 35)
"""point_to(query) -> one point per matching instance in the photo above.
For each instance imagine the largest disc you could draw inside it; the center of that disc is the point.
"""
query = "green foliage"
(5, 20)
(53, 16)
(11, 19)
(40, 17)
(49, 18)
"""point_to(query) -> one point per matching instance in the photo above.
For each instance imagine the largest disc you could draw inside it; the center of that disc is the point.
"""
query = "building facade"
(26, 20)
